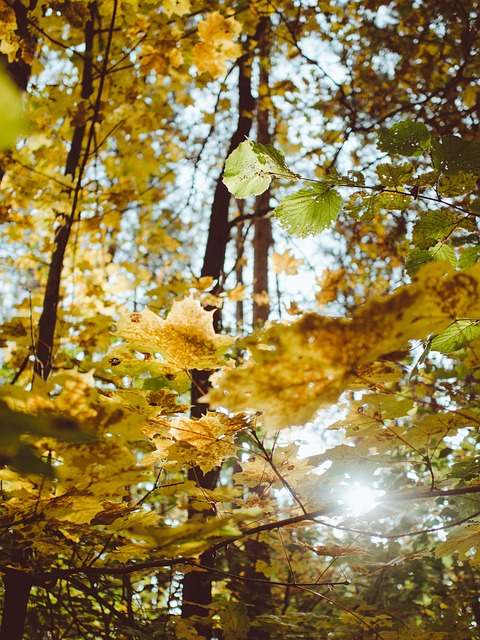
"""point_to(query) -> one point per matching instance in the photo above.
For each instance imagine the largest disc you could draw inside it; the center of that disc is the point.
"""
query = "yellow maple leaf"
(217, 34)
(285, 263)
(203, 442)
(297, 369)
(186, 339)
(177, 7)
(329, 285)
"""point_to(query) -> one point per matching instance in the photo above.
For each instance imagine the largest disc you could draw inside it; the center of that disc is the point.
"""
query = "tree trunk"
(263, 227)
(17, 592)
(76, 162)
(259, 599)
(197, 586)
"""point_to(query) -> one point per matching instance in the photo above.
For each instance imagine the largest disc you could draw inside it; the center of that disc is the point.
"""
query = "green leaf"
(433, 226)
(391, 175)
(457, 185)
(443, 252)
(235, 622)
(310, 210)
(462, 541)
(416, 259)
(469, 257)
(250, 168)
(393, 201)
(405, 139)
(452, 155)
(456, 336)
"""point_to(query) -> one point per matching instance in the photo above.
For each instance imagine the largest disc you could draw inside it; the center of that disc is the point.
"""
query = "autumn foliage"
(240, 328)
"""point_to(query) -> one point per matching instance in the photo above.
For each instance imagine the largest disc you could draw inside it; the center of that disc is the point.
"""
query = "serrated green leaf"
(456, 336)
(469, 257)
(416, 259)
(391, 175)
(457, 185)
(362, 206)
(405, 138)
(310, 210)
(443, 252)
(393, 201)
(432, 226)
(250, 168)
(452, 155)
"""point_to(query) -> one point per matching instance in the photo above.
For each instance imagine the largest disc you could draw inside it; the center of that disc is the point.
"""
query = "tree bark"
(262, 239)
(17, 593)
(75, 161)
(197, 586)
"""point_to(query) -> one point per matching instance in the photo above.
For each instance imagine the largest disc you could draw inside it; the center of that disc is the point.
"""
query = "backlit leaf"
(457, 184)
(249, 169)
(416, 259)
(186, 339)
(406, 138)
(310, 210)
(452, 155)
(433, 226)
(298, 368)
(456, 336)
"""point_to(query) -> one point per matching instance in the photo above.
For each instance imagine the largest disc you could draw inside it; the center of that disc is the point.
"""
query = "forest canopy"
(240, 319)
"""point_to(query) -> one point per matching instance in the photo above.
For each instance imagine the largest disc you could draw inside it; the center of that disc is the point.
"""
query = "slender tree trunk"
(239, 246)
(263, 227)
(259, 599)
(197, 586)
(75, 165)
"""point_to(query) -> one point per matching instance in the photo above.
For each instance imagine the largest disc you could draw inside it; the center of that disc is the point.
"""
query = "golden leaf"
(297, 369)
(285, 263)
(203, 442)
(186, 339)
(216, 47)
(215, 28)
(177, 7)
(329, 285)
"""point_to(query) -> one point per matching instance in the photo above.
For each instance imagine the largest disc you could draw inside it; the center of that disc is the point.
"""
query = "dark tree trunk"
(75, 165)
(197, 586)
(17, 592)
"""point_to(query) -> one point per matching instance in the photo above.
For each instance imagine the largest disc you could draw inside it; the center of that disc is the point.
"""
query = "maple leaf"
(177, 7)
(286, 263)
(186, 339)
(217, 34)
(201, 442)
(297, 369)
